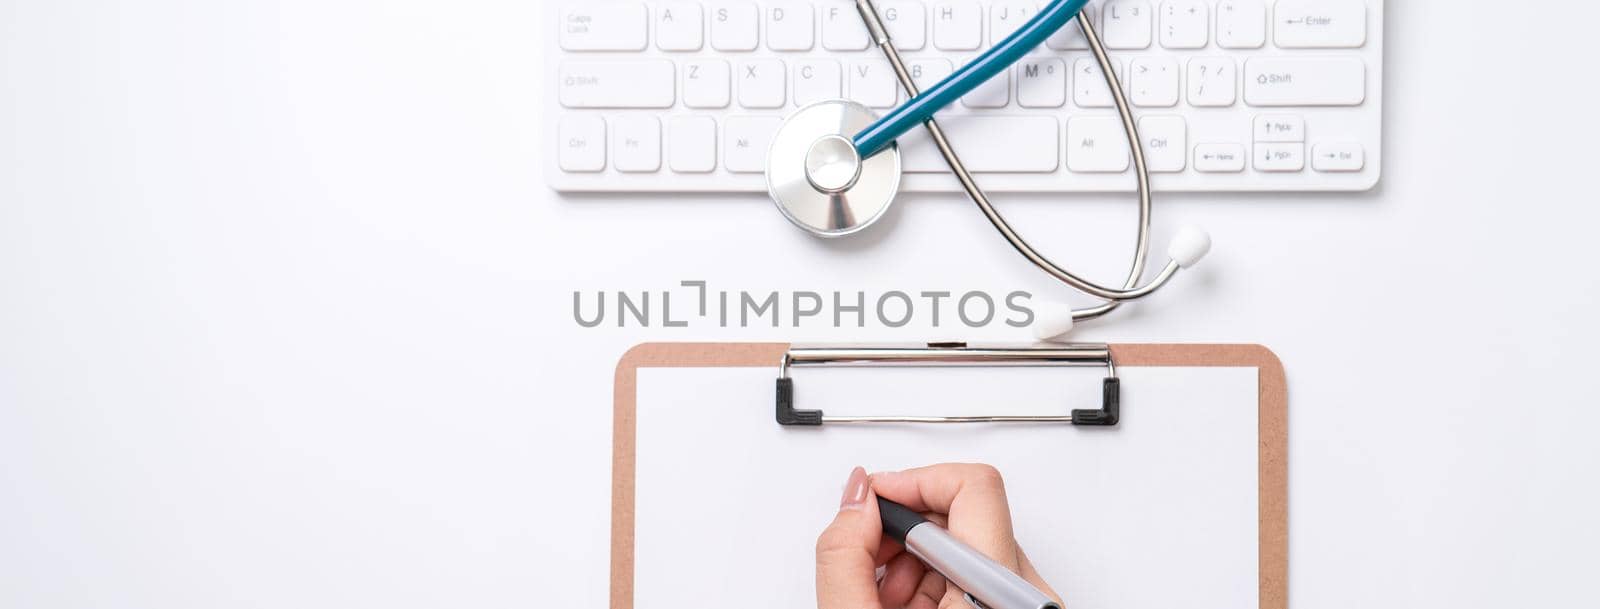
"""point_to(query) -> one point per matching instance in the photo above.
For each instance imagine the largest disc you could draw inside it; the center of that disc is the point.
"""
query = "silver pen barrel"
(993, 585)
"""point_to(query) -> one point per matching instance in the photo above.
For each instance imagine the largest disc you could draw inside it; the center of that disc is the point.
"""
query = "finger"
(928, 592)
(900, 580)
(972, 495)
(846, 563)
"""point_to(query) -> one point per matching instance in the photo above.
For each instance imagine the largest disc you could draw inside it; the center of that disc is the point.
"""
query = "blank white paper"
(1158, 512)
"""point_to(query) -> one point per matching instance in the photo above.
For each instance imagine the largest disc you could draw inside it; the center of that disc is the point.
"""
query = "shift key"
(1305, 81)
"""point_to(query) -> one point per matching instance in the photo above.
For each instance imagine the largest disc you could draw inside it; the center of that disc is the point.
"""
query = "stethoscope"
(834, 167)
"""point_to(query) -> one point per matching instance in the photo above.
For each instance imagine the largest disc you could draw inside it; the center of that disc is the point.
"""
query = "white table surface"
(285, 311)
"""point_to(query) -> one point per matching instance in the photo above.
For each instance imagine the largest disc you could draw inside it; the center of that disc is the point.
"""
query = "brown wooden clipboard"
(1273, 437)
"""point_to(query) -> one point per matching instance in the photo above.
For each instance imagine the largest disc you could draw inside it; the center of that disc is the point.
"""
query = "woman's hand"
(968, 499)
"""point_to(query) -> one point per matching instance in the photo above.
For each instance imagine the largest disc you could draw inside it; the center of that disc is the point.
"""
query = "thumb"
(847, 550)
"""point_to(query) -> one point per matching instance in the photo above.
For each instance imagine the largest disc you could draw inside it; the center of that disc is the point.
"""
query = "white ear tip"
(1189, 246)
(1052, 322)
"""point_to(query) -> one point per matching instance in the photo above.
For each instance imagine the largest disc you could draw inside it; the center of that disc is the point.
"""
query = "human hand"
(968, 499)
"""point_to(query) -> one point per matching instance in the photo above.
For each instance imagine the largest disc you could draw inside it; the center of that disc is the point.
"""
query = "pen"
(988, 584)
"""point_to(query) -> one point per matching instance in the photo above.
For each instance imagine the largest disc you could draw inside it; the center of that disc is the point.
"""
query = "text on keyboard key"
(1241, 24)
(707, 84)
(1338, 156)
(582, 141)
(1096, 144)
(790, 25)
(1166, 143)
(1305, 81)
(1127, 24)
(1219, 158)
(636, 143)
(873, 84)
(617, 84)
(734, 26)
(745, 141)
(680, 27)
(761, 84)
(816, 80)
(1323, 24)
(957, 25)
(1041, 83)
(1280, 157)
(604, 26)
(1279, 128)
(907, 23)
(842, 29)
(1212, 82)
(1015, 144)
(1184, 24)
(1089, 88)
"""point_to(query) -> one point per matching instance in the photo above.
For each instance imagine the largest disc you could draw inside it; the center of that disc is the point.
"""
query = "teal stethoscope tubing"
(908, 116)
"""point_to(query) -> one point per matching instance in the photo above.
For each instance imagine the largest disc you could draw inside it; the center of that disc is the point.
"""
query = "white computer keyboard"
(1230, 95)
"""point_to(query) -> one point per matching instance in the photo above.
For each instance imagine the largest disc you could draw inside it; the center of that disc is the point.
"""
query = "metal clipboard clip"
(952, 354)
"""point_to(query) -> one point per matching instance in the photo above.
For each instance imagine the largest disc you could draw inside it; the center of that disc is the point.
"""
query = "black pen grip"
(897, 519)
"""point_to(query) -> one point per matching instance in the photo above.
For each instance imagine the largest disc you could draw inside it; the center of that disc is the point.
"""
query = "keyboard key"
(1127, 24)
(680, 27)
(842, 29)
(583, 143)
(1005, 16)
(1070, 36)
(1154, 82)
(872, 83)
(1280, 157)
(1338, 156)
(1096, 144)
(734, 26)
(1212, 82)
(636, 143)
(1219, 158)
(692, 144)
(1041, 83)
(927, 72)
(745, 141)
(790, 26)
(1166, 147)
(761, 84)
(1089, 88)
(957, 25)
(817, 80)
(1280, 128)
(1184, 24)
(617, 84)
(707, 84)
(907, 23)
(1304, 81)
(1241, 24)
(993, 93)
(1320, 24)
(608, 26)
(1012, 144)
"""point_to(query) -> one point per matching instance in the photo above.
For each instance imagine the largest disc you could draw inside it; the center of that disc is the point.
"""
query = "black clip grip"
(787, 415)
(1110, 410)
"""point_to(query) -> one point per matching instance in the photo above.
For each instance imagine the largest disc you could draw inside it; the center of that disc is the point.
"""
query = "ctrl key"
(582, 143)
(1338, 156)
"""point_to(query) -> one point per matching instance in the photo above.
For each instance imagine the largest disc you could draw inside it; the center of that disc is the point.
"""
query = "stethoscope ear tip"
(1189, 246)
(1052, 322)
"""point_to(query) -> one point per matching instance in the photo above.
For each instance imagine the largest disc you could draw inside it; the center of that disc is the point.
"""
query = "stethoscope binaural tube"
(1187, 248)
(830, 194)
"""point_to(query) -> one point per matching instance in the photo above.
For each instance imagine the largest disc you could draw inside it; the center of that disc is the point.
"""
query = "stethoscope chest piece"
(817, 179)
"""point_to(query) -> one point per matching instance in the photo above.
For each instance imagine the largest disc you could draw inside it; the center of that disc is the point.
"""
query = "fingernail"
(855, 490)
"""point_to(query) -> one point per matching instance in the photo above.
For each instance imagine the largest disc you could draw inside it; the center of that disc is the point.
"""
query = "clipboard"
(1271, 434)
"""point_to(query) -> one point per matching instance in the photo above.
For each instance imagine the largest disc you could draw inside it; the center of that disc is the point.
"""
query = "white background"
(285, 310)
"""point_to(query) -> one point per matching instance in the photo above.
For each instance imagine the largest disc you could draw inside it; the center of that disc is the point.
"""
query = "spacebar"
(989, 144)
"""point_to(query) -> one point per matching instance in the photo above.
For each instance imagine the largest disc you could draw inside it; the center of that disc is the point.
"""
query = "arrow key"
(1338, 156)
(1279, 157)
